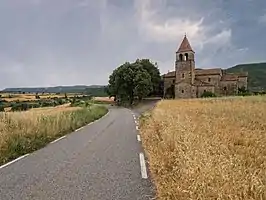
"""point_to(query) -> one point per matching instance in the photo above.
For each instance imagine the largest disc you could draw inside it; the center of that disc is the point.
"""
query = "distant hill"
(95, 90)
(256, 75)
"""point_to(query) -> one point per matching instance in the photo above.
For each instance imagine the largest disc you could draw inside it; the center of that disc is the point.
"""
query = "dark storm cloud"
(64, 42)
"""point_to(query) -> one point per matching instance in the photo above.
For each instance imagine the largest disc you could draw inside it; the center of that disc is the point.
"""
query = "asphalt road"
(101, 161)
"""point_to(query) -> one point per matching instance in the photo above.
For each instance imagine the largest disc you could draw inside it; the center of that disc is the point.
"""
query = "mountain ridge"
(89, 89)
(256, 74)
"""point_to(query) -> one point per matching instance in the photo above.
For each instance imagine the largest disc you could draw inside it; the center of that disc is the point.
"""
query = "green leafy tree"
(154, 73)
(142, 83)
(128, 81)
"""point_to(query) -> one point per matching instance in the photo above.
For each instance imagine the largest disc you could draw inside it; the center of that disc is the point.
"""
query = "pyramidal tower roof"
(185, 46)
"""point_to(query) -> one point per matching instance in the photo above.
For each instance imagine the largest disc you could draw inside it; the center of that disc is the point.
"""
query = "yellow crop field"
(104, 99)
(207, 148)
(26, 131)
(31, 97)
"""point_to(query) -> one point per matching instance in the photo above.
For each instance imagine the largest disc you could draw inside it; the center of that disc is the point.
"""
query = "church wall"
(212, 79)
(202, 89)
(243, 82)
(228, 88)
(184, 90)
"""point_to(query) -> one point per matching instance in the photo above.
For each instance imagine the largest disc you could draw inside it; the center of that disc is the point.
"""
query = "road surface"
(99, 162)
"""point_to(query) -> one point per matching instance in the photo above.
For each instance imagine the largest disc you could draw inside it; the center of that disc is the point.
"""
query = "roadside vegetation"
(23, 102)
(211, 148)
(25, 131)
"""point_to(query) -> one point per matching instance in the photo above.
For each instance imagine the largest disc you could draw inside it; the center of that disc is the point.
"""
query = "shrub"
(3, 101)
(2, 108)
(34, 105)
(208, 94)
(20, 107)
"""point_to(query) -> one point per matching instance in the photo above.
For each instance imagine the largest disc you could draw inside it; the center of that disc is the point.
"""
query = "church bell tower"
(185, 70)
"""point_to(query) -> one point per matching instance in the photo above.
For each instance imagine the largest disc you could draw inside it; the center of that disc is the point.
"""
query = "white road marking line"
(5, 165)
(79, 129)
(137, 128)
(138, 138)
(134, 117)
(58, 139)
(143, 166)
(136, 122)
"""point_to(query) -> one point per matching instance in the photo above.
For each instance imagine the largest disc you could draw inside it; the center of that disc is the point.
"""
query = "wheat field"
(27, 131)
(207, 148)
(31, 97)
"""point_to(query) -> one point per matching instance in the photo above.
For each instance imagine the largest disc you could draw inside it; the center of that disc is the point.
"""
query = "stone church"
(189, 82)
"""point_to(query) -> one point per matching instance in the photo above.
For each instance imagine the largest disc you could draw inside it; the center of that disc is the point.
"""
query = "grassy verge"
(24, 132)
(207, 148)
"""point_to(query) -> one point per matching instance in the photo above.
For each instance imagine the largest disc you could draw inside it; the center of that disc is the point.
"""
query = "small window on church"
(183, 75)
(204, 91)
(173, 81)
(225, 88)
(182, 91)
(209, 79)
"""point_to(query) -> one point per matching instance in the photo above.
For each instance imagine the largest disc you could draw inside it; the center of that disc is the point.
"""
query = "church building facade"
(189, 82)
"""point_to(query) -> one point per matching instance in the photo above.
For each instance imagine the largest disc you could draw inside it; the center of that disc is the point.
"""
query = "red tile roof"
(229, 77)
(185, 46)
(208, 71)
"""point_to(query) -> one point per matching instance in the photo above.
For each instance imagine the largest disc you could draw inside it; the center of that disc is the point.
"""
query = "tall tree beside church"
(129, 81)
(154, 72)
(142, 81)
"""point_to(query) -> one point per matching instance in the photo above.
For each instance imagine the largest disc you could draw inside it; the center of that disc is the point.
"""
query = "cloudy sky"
(67, 42)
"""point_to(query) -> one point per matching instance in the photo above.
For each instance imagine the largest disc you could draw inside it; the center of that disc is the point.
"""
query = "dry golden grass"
(207, 148)
(45, 111)
(31, 97)
(24, 132)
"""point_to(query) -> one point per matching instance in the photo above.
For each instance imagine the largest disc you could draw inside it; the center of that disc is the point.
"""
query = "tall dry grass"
(207, 148)
(24, 132)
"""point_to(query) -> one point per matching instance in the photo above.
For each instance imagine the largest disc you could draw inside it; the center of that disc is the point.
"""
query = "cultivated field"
(26, 131)
(30, 97)
(207, 148)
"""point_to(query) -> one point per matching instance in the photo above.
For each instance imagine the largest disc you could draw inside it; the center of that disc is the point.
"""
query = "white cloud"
(155, 29)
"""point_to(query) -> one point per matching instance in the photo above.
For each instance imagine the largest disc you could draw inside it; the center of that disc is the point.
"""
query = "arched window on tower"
(180, 57)
(186, 56)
